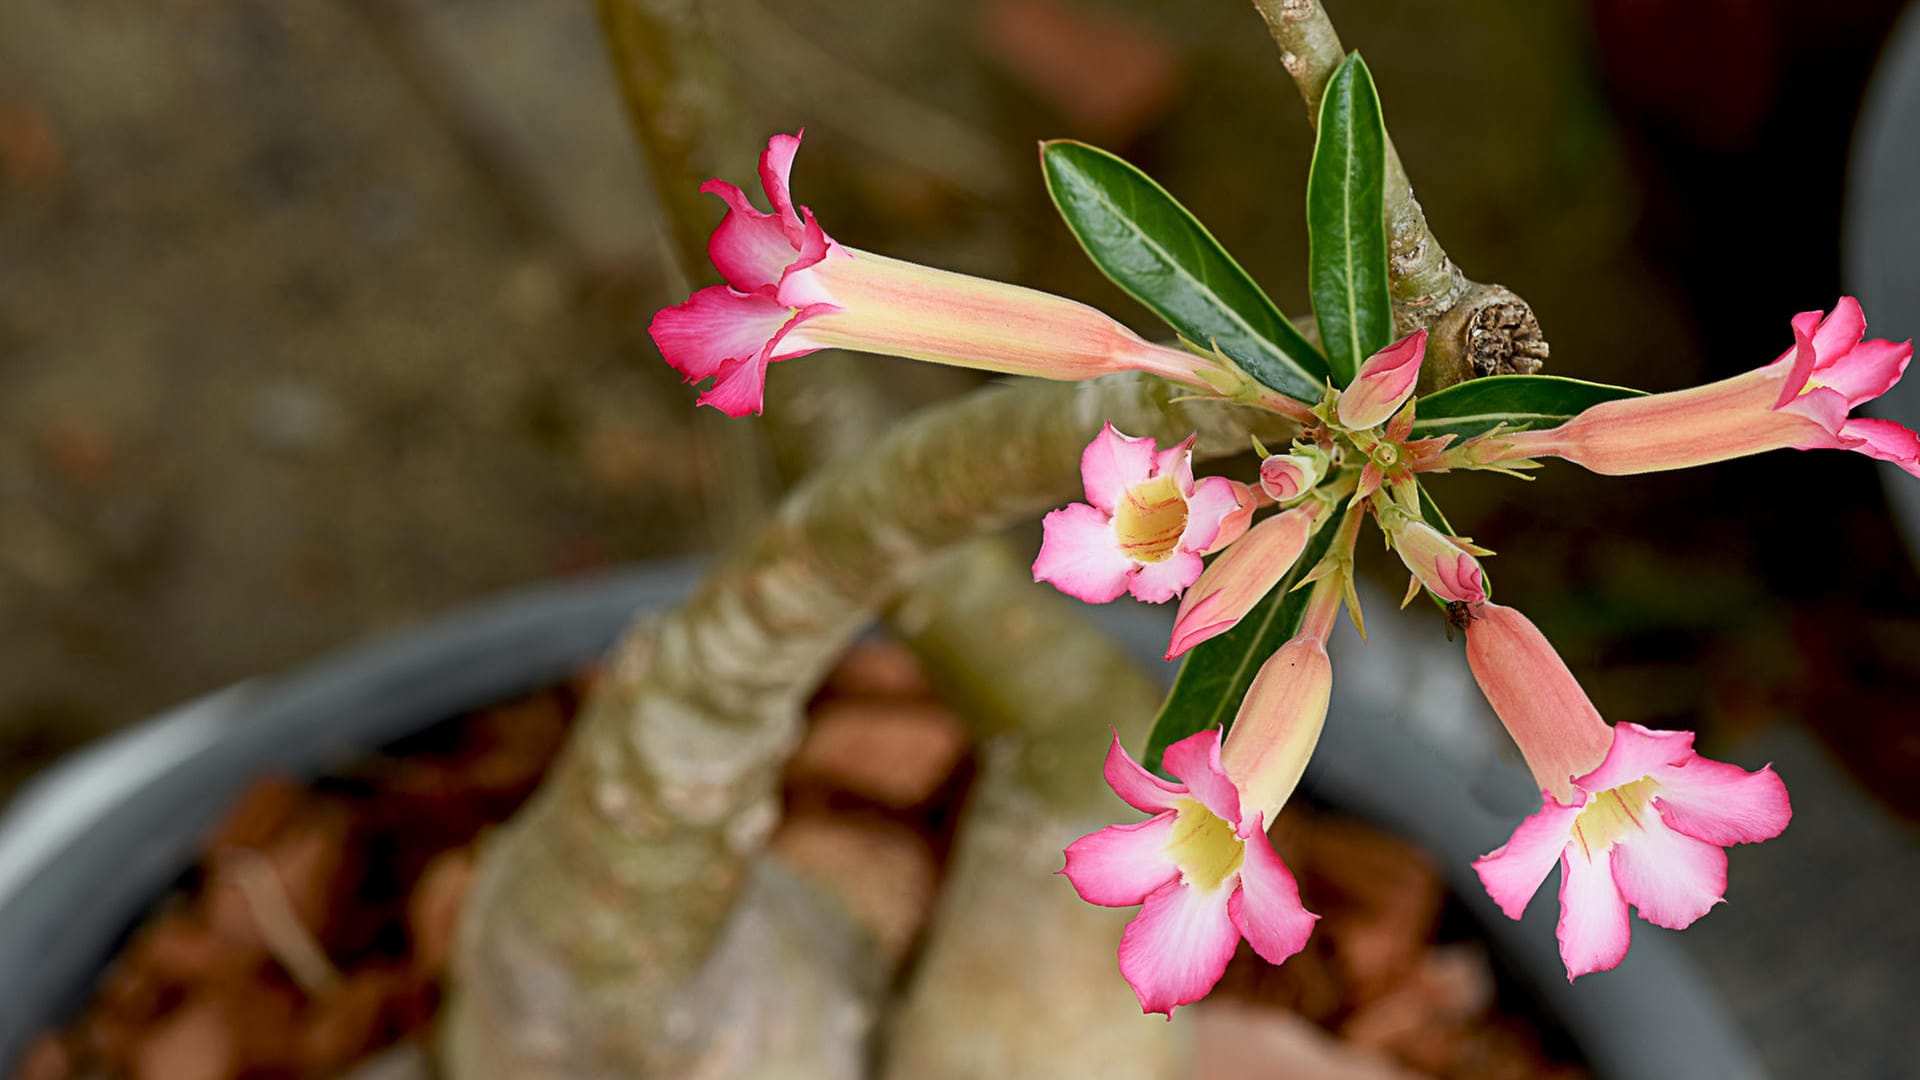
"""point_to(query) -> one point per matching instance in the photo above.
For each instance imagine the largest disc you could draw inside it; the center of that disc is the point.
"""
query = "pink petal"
(1805, 357)
(1177, 462)
(716, 325)
(1593, 918)
(750, 248)
(1079, 555)
(1111, 464)
(1837, 334)
(1136, 786)
(1235, 524)
(739, 388)
(776, 165)
(1119, 865)
(1157, 583)
(1266, 908)
(1670, 877)
(1871, 369)
(1827, 409)
(1209, 505)
(1637, 752)
(1512, 873)
(1178, 946)
(1885, 440)
(1721, 803)
(1195, 760)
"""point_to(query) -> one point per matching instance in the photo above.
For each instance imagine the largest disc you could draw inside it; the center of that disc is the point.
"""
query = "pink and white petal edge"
(1195, 760)
(1594, 933)
(1120, 864)
(1111, 464)
(1637, 752)
(1080, 556)
(1177, 948)
(1512, 873)
(1721, 803)
(1157, 583)
(1136, 786)
(1266, 909)
(1671, 878)
(1213, 500)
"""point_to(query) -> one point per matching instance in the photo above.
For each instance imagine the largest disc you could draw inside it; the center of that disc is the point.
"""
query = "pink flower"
(1241, 577)
(792, 289)
(1203, 875)
(1383, 383)
(1801, 400)
(1143, 528)
(1647, 828)
(1632, 816)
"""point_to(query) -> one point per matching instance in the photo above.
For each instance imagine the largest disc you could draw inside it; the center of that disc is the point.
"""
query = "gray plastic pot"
(1882, 232)
(93, 842)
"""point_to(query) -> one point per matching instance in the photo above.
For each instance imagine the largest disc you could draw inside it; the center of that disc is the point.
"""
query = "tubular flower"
(792, 289)
(1203, 873)
(1632, 816)
(1801, 400)
(1558, 730)
(1241, 577)
(1383, 383)
(1144, 526)
(1647, 828)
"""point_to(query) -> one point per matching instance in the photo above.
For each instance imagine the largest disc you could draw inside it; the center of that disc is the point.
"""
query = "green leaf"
(1149, 245)
(1475, 406)
(1215, 675)
(1346, 222)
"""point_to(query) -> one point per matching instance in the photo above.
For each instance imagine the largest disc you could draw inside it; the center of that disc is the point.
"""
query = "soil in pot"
(315, 929)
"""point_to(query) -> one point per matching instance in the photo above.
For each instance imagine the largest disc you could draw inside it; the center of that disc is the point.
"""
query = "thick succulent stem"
(1474, 329)
(599, 904)
(1043, 692)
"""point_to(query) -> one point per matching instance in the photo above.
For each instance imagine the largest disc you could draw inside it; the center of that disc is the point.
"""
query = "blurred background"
(319, 317)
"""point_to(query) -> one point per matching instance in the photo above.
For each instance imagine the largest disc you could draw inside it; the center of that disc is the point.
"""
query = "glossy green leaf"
(1215, 675)
(1535, 401)
(1149, 245)
(1346, 222)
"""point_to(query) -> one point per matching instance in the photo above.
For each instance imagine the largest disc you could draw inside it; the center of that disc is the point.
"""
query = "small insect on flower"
(1459, 615)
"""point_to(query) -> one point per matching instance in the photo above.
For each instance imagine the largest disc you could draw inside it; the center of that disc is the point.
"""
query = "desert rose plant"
(1262, 565)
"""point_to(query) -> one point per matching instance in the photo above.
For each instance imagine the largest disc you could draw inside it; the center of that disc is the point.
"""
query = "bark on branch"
(1474, 329)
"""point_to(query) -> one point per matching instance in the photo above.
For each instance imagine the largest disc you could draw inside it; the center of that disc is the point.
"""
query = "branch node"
(1503, 338)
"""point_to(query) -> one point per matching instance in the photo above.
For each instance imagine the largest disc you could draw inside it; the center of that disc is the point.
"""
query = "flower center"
(1150, 520)
(1204, 846)
(1386, 455)
(1613, 814)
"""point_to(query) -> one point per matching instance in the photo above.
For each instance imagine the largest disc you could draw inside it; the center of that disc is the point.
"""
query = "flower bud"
(1285, 477)
(1240, 578)
(1383, 384)
(1278, 725)
(1444, 567)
